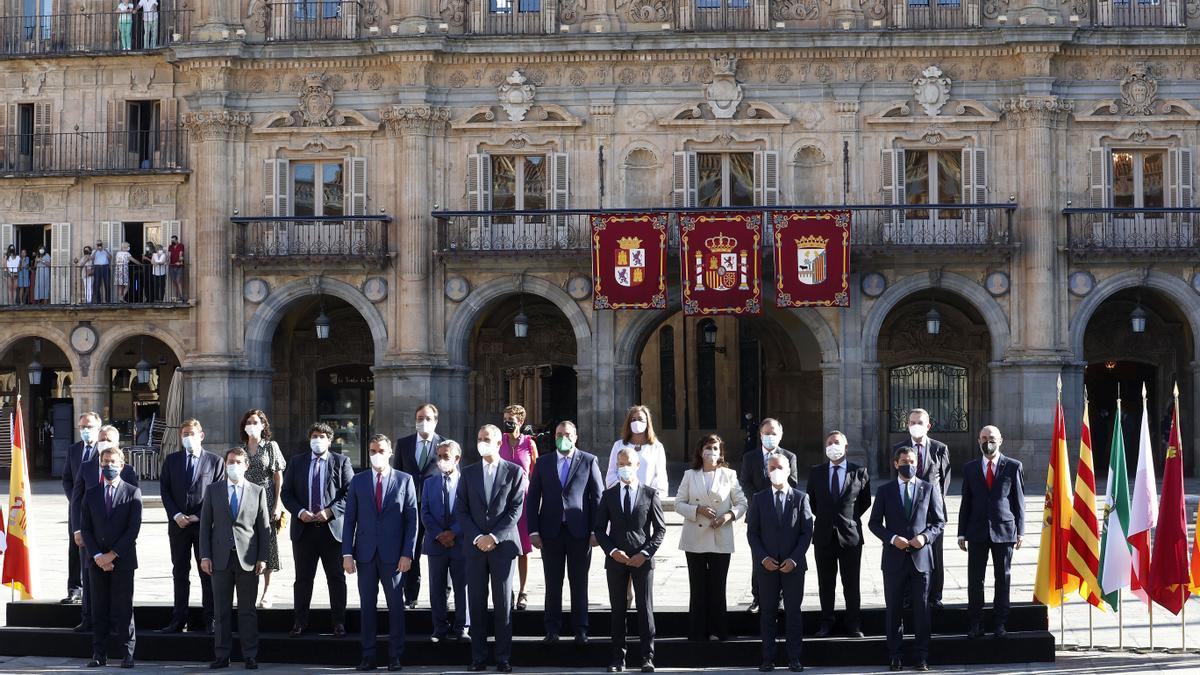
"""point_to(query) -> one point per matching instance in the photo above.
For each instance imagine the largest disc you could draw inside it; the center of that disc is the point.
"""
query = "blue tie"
(233, 504)
(563, 466)
(191, 468)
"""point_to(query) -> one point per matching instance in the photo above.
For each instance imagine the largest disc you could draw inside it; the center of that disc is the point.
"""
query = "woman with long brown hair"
(264, 467)
(637, 432)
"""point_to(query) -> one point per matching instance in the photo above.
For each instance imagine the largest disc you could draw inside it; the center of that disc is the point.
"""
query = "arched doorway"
(326, 380)
(1120, 359)
(48, 405)
(536, 371)
(138, 375)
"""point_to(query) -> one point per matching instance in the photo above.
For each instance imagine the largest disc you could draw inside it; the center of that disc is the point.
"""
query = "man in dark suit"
(377, 544)
(234, 549)
(564, 492)
(991, 519)
(840, 492)
(933, 466)
(85, 449)
(314, 491)
(444, 545)
(487, 507)
(110, 520)
(629, 529)
(907, 517)
(754, 477)
(185, 477)
(89, 475)
(416, 455)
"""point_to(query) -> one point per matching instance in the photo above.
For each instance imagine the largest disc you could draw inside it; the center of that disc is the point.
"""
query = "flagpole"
(1120, 614)
(1150, 613)
(1091, 636)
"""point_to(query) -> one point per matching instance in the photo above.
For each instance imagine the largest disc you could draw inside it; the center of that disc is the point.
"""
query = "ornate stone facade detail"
(1139, 90)
(1140, 135)
(569, 11)
(372, 13)
(1035, 112)
(795, 10)
(31, 201)
(648, 11)
(516, 96)
(32, 83)
(994, 8)
(139, 197)
(874, 9)
(316, 103)
(400, 118)
(453, 12)
(207, 125)
(931, 90)
(723, 93)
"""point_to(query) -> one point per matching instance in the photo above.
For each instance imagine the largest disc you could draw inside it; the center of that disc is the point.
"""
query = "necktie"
(233, 503)
(835, 485)
(563, 466)
(108, 499)
(314, 499)
(779, 506)
(991, 475)
(379, 492)
(446, 498)
(628, 501)
(191, 468)
(487, 482)
(101, 479)
(920, 457)
(908, 502)
(87, 453)
(424, 455)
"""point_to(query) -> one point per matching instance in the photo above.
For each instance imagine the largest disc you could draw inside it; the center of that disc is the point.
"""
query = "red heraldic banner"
(719, 254)
(812, 259)
(629, 261)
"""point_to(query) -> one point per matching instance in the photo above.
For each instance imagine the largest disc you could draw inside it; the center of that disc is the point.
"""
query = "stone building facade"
(319, 159)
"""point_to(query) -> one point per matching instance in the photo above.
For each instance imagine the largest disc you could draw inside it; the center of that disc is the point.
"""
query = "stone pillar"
(218, 395)
(89, 397)
(874, 439)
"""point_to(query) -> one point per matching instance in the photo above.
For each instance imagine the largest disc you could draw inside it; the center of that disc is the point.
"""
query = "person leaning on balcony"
(149, 23)
(12, 265)
(125, 24)
(175, 251)
(41, 280)
(23, 278)
(102, 260)
(87, 271)
(158, 274)
(122, 260)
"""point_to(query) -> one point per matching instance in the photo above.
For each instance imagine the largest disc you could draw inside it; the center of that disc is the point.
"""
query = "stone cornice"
(400, 119)
(208, 125)
(1040, 111)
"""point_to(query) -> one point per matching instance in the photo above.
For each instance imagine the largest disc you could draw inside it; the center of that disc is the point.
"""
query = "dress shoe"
(478, 667)
(173, 627)
(127, 662)
(552, 637)
(97, 662)
(219, 664)
(796, 667)
(922, 667)
(615, 667)
(412, 604)
(582, 639)
(1000, 633)
(974, 632)
(83, 627)
(825, 631)
(896, 665)
(298, 630)
(504, 667)
(339, 630)
(648, 666)
(753, 609)
(766, 667)
(394, 665)
(937, 605)
(436, 638)
(458, 636)
(73, 598)
(251, 664)
(855, 632)
(366, 664)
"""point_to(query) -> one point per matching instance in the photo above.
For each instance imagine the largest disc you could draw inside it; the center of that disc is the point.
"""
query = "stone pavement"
(153, 581)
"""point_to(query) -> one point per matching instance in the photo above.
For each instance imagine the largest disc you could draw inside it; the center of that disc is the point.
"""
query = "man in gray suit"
(234, 548)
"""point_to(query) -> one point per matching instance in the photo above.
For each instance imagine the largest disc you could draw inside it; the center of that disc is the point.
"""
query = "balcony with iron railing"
(312, 240)
(92, 33)
(1139, 13)
(76, 153)
(1123, 233)
(982, 229)
(131, 286)
(309, 20)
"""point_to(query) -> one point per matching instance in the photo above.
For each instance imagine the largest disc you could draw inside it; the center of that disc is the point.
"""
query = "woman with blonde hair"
(637, 432)
(519, 448)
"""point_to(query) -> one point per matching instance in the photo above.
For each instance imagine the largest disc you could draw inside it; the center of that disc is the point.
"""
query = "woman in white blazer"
(709, 499)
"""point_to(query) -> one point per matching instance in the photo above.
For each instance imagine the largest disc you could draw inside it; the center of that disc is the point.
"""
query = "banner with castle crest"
(812, 258)
(629, 261)
(719, 254)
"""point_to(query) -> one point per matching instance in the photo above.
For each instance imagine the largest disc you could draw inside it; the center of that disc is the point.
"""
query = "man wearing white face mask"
(444, 545)
(754, 477)
(78, 453)
(416, 455)
(185, 476)
(933, 466)
(314, 491)
(840, 492)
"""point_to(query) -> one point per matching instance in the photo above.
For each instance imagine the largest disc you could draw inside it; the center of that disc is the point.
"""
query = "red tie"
(379, 492)
(990, 475)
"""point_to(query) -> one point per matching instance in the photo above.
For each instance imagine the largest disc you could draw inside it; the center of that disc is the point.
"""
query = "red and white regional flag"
(1143, 510)
(18, 568)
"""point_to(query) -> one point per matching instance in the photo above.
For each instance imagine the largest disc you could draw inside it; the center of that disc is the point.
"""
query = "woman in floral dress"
(265, 464)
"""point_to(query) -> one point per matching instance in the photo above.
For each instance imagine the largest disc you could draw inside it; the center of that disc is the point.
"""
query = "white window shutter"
(974, 190)
(60, 264)
(766, 178)
(42, 142)
(560, 195)
(1181, 171)
(892, 183)
(110, 233)
(8, 145)
(683, 187)
(6, 240)
(1100, 178)
(356, 179)
(275, 187)
(479, 198)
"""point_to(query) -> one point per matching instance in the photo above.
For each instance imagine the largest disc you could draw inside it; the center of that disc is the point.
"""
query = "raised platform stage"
(44, 629)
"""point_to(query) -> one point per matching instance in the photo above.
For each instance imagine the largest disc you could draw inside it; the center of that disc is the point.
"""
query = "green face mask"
(563, 444)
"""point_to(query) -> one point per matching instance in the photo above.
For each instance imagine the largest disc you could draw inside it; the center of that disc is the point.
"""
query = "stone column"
(874, 440)
(88, 397)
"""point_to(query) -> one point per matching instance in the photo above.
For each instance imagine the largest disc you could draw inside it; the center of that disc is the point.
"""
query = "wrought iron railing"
(92, 32)
(875, 228)
(1116, 232)
(728, 15)
(512, 17)
(936, 14)
(1139, 13)
(139, 282)
(312, 238)
(314, 20)
(93, 152)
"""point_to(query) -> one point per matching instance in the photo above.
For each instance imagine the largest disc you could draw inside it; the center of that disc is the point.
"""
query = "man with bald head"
(991, 520)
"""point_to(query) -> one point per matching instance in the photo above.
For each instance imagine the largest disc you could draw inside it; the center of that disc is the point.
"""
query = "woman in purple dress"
(522, 451)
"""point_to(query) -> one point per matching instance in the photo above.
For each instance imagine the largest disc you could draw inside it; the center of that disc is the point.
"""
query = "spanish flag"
(18, 570)
(1083, 546)
(1054, 578)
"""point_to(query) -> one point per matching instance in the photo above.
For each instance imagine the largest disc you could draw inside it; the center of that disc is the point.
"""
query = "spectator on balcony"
(122, 260)
(102, 261)
(175, 251)
(41, 287)
(12, 265)
(149, 23)
(125, 24)
(141, 283)
(23, 278)
(87, 272)
(158, 274)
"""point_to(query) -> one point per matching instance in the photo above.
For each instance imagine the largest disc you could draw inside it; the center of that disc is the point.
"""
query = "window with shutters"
(519, 183)
(1138, 179)
(318, 188)
(520, 6)
(725, 178)
(933, 177)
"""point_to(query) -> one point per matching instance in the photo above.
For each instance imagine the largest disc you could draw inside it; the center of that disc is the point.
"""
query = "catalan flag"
(1054, 580)
(18, 570)
(1083, 546)
(1169, 579)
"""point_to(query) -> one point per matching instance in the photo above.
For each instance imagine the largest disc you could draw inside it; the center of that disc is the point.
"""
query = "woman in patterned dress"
(522, 451)
(265, 464)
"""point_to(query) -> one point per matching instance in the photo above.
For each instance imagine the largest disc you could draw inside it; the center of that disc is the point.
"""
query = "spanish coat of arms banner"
(629, 261)
(812, 258)
(719, 255)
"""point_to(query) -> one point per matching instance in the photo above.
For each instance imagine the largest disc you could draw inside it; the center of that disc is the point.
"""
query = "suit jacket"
(436, 520)
(642, 530)
(497, 518)
(86, 478)
(771, 537)
(296, 488)
(391, 533)
(180, 496)
(549, 500)
(936, 469)
(74, 459)
(888, 519)
(405, 458)
(698, 535)
(839, 515)
(117, 532)
(754, 472)
(998, 514)
(248, 537)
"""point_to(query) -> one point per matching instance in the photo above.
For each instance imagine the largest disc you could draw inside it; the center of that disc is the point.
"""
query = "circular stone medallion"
(579, 288)
(375, 288)
(996, 283)
(255, 290)
(1081, 283)
(457, 289)
(874, 284)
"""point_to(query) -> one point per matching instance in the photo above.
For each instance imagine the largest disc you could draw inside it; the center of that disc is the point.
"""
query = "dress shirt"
(489, 478)
(776, 491)
(195, 453)
(417, 450)
(238, 489)
(113, 485)
(314, 467)
(911, 495)
(709, 477)
(453, 487)
(632, 487)
(841, 476)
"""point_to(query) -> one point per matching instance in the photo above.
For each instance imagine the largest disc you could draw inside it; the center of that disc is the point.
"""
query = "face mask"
(712, 456)
(626, 473)
(318, 445)
(779, 476)
(563, 444)
(485, 449)
(835, 452)
(770, 441)
(41, 251)
(235, 472)
(637, 427)
(909, 471)
(379, 461)
(426, 427)
(254, 430)
(989, 448)
(111, 471)
(88, 435)
(916, 430)
(191, 443)
(445, 465)
(102, 446)
(509, 426)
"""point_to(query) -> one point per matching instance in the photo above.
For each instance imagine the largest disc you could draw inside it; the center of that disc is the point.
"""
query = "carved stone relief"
(723, 93)
(516, 96)
(931, 90)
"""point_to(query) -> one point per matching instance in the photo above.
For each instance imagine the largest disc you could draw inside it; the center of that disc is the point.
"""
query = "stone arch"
(111, 339)
(50, 334)
(993, 314)
(261, 325)
(1173, 288)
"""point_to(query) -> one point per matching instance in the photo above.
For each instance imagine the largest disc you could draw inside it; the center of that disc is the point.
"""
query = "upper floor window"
(318, 189)
(726, 178)
(932, 177)
(1140, 179)
(317, 9)
(312, 187)
(507, 6)
(518, 182)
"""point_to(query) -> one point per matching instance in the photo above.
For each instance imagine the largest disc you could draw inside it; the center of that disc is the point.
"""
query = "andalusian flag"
(1143, 510)
(1053, 577)
(1169, 563)
(18, 570)
(1083, 546)
(1115, 558)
